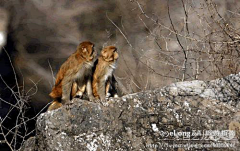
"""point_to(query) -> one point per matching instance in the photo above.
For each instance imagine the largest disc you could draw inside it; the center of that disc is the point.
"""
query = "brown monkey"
(103, 74)
(75, 72)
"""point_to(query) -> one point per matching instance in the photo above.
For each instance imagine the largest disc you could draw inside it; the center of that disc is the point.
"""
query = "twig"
(184, 52)
(120, 52)
(14, 72)
(51, 72)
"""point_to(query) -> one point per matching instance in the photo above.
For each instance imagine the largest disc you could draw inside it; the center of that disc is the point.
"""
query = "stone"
(151, 120)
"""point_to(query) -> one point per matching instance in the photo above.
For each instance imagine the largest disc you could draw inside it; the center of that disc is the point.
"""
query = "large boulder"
(185, 116)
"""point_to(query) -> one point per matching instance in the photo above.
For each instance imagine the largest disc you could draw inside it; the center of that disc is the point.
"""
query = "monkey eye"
(115, 50)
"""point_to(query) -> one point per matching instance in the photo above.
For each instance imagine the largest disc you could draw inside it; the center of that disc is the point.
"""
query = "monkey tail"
(56, 92)
(54, 105)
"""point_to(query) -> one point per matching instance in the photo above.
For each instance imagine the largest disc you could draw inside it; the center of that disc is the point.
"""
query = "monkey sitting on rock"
(76, 70)
(103, 83)
(100, 82)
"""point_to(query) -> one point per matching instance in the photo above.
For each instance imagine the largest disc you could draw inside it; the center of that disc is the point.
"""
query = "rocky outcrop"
(182, 116)
(225, 89)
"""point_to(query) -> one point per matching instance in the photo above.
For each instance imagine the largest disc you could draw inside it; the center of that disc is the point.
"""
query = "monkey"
(103, 80)
(75, 73)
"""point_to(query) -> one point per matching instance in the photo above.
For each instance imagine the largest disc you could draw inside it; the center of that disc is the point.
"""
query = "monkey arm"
(66, 89)
(102, 90)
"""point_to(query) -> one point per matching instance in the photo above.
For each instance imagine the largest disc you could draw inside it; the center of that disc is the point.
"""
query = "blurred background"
(159, 41)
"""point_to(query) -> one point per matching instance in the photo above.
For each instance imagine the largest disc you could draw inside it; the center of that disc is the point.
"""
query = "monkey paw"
(108, 95)
(79, 95)
(107, 98)
(68, 104)
(115, 96)
(91, 98)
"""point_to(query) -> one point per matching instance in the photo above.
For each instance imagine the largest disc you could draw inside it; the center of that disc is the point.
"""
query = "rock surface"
(182, 116)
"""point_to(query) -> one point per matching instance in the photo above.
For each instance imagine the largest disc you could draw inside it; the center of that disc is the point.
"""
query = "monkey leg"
(102, 90)
(77, 91)
(80, 91)
(89, 90)
(74, 90)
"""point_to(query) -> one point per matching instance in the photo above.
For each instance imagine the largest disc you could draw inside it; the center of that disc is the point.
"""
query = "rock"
(191, 113)
(29, 145)
(225, 89)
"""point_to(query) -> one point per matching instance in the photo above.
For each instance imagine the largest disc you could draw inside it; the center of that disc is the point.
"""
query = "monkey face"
(87, 51)
(109, 53)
